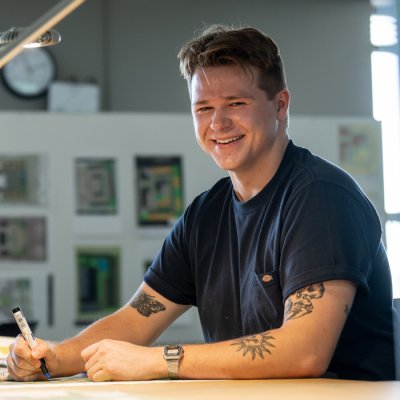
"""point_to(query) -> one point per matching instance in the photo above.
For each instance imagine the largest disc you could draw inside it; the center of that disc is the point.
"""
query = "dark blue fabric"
(238, 261)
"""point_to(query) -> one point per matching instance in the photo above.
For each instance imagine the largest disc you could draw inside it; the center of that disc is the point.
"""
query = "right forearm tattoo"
(146, 304)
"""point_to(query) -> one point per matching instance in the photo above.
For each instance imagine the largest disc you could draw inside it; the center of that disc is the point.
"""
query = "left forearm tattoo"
(301, 302)
(256, 345)
(146, 304)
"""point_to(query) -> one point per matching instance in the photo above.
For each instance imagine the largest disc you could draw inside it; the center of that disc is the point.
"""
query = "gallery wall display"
(159, 189)
(95, 186)
(98, 272)
(22, 180)
(23, 238)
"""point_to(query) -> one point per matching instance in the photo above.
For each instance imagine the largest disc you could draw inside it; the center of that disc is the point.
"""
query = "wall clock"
(30, 73)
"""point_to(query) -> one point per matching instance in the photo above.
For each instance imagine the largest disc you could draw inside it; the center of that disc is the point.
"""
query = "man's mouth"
(229, 140)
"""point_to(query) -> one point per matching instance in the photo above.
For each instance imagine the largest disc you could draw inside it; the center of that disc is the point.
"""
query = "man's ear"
(282, 101)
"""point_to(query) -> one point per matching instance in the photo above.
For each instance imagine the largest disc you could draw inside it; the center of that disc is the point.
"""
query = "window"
(386, 109)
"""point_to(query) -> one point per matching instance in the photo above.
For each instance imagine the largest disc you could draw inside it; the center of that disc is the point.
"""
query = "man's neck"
(249, 183)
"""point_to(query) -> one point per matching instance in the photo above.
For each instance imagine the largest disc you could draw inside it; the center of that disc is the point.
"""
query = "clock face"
(30, 73)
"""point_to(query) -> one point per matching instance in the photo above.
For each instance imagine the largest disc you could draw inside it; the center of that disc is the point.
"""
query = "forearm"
(114, 326)
(272, 354)
(302, 347)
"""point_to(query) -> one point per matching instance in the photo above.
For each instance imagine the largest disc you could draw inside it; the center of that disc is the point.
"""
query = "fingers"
(89, 351)
(94, 358)
(23, 364)
(22, 354)
(97, 372)
(99, 376)
(24, 374)
(93, 362)
(40, 350)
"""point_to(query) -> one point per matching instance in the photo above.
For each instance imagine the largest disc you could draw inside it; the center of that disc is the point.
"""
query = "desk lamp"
(38, 34)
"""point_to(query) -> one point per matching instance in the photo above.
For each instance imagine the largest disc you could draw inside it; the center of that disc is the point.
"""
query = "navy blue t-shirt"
(310, 223)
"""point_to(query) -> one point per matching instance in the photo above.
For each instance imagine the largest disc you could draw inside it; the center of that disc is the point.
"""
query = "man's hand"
(23, 363)
(114, 360)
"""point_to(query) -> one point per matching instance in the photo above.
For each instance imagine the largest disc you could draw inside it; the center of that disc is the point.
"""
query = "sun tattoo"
(300, 303)
(146, 304)
(256, 345)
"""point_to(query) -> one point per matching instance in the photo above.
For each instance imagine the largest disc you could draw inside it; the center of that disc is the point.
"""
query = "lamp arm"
(38, 28)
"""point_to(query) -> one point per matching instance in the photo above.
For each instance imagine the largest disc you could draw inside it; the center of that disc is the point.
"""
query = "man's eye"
(237, 104)
(203, 109)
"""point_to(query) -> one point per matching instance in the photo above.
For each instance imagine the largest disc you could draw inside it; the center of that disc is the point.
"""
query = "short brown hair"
(222, 45)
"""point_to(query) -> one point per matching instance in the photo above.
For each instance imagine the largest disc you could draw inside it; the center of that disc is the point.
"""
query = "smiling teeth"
(225, 141)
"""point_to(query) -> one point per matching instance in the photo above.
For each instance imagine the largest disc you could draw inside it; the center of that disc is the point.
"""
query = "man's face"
(234, 120)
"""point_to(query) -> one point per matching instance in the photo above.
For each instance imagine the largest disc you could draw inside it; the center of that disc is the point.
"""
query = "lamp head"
(49, 38)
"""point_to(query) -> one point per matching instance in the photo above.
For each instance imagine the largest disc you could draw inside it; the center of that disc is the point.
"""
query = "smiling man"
(283, 259)
(239, 125)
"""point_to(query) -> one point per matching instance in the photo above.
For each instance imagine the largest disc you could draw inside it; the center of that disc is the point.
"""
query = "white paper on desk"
(67, 394)
(5, 341)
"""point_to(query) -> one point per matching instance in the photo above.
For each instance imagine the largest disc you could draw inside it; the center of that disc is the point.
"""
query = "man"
(283, 259)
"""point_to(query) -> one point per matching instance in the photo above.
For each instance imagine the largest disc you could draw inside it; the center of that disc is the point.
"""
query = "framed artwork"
(159, 190)
(23, 238)
(28, 290)
(98, 272)
(15, 292)
(358, 148)
(22, 179)
(95, 186)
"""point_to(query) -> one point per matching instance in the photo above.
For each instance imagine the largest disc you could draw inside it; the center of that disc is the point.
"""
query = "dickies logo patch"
(267, 278)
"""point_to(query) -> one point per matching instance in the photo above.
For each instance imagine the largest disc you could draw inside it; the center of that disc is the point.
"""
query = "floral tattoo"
(301, 302)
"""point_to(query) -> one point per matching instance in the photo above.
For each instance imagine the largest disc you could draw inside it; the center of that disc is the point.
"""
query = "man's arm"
(302, 347)
(140, 321)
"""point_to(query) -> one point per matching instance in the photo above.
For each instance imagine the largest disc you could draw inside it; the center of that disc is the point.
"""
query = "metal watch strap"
(173, 355)
(173, 369)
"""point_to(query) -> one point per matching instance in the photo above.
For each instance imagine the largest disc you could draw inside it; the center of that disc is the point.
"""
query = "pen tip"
(47, 375)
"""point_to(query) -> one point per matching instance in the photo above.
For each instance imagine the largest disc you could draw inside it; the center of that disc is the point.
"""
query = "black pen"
(28, 336)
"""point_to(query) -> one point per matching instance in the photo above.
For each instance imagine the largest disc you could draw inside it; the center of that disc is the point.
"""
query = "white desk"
(288, 389)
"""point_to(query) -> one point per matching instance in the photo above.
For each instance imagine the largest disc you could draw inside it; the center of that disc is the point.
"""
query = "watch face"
(173, 352)
(30, 73)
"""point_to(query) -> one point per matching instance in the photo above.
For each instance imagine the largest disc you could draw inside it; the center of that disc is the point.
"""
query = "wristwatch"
(172, 355)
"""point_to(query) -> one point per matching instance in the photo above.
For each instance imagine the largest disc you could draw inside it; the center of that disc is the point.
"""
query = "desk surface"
(293, 389)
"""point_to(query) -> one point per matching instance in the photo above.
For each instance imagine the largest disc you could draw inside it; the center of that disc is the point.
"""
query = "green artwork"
(159, 190)
(98, 270)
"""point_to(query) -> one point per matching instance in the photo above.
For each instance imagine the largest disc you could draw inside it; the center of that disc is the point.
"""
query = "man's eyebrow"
(244, 96)
(200, 102)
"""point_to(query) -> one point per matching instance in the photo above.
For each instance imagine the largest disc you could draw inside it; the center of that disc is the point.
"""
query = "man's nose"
(220, 121)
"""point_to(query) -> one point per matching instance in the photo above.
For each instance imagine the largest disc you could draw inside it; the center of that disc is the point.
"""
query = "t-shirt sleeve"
(170, 273)
(328, 233)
